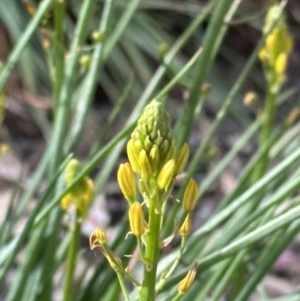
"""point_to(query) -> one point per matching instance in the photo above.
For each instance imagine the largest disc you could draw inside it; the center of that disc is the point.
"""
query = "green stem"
(90, 82)
(152, 252)
(123, 286)
(63, 109)
(71, 261)
(59, 49)
(267, 125)
(174, 266)
(184, 123)
(141, 249)
(177, 297)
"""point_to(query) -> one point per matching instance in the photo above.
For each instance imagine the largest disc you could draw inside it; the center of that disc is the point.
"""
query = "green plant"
(117, 36)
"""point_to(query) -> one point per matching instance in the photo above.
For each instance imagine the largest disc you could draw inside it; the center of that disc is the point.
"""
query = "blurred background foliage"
(139, 36)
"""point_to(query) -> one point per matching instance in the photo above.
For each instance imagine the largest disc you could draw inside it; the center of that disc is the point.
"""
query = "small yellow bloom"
(136, 219)
(166, 175)
(190, 196)
(186, 226)
(98, 236)
(126, 181)
(186, 283)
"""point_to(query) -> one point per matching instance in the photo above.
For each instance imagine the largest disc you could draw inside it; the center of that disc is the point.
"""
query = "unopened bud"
(154, 157)
(163, 49)
(72, 170)
(281, 63)
(126, 181)
(190, 196)
(98, 36)
(182, 158)
(166, 175)
(186, 226)
(186, 283)
(250, 98)
(134, 162)
(136, 219)
(85, 62)
(145, 166)
(98, 236)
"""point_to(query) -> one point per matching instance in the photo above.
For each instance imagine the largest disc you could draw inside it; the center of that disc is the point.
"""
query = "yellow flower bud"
(186, 226)
(72, 170)
(153, 129)
(263, 55)
(81, 193)
(166, 175)
(98, 36)
(280, 63)
(136, 219)
(154, 158)
(145, 166)
(98, 236)
(186, 283)
(250, 98)
(182, 158)
(85, 61)
(126, 181)
(86, 194)
(133, 159)
(190, 196)
(66, 201)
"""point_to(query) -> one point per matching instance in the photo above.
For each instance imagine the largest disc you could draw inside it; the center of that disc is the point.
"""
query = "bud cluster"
(81, 193)
(278, 46)
(154, 163)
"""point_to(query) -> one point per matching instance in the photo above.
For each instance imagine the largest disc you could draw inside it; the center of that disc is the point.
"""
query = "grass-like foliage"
(136, 52)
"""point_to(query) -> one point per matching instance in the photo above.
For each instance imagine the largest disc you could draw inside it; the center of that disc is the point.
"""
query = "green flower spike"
(81, 194)
(274, 55)
(151, 145)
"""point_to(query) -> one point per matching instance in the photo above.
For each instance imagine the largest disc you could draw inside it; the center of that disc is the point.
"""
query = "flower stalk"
(76, 204)
(155, 162)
